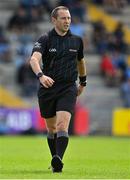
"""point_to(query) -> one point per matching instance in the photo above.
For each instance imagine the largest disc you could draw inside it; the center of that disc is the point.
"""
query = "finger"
(50, 81)
(45, 85)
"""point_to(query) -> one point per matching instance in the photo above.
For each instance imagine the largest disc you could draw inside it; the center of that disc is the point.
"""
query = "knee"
(61, 126)
(51, 129)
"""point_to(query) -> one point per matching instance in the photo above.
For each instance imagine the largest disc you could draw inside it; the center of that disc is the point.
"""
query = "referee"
(62, 58)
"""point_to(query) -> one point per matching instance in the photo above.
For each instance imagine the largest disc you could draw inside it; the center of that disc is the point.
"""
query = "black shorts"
(59, 97)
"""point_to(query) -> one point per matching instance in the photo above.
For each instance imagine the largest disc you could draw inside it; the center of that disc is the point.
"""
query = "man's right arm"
(35, 65)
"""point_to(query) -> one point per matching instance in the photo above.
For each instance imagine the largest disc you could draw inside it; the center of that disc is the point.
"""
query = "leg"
(51, 136)
(62, 124)
(47, 110)
(64, 109)
(63, 120)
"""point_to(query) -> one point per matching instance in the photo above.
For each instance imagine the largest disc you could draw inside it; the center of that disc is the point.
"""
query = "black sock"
(51, 139)
(62, 142)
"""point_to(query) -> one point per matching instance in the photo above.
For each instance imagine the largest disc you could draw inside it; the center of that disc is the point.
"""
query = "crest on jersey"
(37, 45)
(52, 50)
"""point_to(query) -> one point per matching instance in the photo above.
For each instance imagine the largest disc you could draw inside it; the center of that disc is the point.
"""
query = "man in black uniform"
(62, 58)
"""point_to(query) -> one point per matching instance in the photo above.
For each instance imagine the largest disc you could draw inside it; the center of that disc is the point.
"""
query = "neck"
(60, 32)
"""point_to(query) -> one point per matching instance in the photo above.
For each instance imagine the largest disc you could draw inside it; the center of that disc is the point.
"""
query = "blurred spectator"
(77, 8)
(105, 41)
(114, 6)
(119, 32)
(19, 20)
(98, 2)
(23, 49)
(35, 15)
(99, 37)
(127, 72)
(37, 8)
(36, 3)
(108, 70)
(27, 80)
(119, 62)
(125, 92)
(121, 46)
(5, 49)
(78, 28)
(28, 4)
(128, 67)
(120, 43)
(111, 42)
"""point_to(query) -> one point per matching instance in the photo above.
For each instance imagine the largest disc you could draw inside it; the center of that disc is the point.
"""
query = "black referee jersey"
(60, 55)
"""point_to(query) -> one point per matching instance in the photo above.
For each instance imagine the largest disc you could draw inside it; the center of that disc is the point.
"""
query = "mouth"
(66, 26)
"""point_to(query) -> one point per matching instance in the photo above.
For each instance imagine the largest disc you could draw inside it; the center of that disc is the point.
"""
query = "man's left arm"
(82, 75)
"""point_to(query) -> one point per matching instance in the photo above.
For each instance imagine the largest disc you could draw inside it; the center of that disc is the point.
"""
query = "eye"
(64, 18)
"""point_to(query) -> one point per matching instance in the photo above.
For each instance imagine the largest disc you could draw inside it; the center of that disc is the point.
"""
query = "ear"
(53, 20)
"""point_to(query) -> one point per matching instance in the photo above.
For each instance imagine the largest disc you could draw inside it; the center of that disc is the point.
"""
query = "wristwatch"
(40, 74)
(83, 83)
(82, 80)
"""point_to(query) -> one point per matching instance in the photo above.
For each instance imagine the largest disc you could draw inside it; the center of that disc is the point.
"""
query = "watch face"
(39, 74)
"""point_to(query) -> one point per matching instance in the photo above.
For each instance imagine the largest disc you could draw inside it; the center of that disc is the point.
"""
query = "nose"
(67, 20)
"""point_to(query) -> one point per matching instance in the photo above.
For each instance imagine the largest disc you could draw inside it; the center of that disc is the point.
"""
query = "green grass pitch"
(27, 157)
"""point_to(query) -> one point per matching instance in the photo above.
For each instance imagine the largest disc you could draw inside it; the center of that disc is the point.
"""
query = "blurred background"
(104, 25)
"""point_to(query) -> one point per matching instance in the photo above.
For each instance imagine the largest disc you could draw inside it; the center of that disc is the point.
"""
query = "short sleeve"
(40, 45)
(80, 51)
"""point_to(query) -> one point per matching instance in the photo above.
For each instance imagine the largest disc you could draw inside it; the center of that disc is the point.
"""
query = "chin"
(65, 30)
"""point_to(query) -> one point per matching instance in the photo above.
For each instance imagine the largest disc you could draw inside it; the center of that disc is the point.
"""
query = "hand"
(80, 89)
(46, 81)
